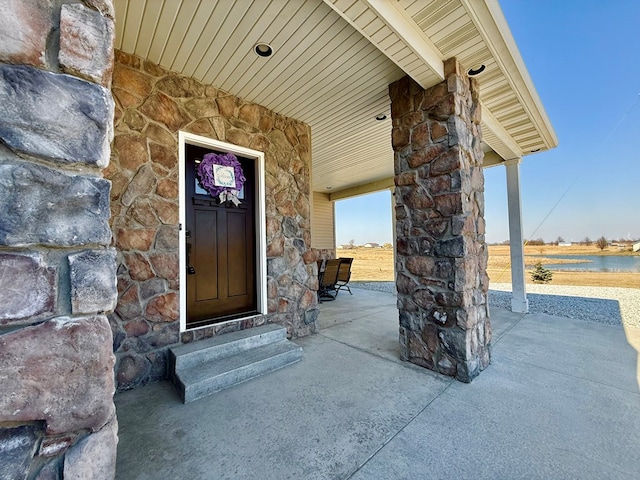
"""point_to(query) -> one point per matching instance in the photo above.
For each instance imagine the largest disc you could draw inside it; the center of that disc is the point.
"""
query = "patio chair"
(344, 274)
(327, 280)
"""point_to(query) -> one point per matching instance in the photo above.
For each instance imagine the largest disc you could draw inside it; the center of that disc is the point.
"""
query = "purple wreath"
(205, 172)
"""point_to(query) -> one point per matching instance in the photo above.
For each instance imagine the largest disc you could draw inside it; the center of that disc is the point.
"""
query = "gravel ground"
(609, 305)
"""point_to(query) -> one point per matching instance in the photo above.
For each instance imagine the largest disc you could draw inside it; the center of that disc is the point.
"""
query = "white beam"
(399, 24)
(491, 159)
(398, 20)
(519, 302)
(378, 185)
(498, 138)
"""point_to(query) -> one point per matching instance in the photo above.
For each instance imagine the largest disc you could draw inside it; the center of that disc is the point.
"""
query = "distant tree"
(387, 245)
(541, 274)
(352, 243)
(559, 240)
(587, 241)
(537, 241)
(506, 242)
(602, 243)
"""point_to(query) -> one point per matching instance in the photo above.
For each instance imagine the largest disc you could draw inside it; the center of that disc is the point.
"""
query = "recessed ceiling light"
(263, 49)
(476, 70)
(381, 116)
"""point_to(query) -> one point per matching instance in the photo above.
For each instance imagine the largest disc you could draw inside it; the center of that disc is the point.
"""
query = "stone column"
(57, 270)
(519, 302)
(441, 252)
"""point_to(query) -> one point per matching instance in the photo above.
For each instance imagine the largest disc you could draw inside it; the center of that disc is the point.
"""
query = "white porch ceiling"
(333, 61)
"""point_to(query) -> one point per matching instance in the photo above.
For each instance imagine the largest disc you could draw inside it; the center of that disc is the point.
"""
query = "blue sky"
(584, 59)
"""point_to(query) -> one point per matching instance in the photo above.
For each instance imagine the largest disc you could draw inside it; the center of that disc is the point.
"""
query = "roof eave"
(490, 22)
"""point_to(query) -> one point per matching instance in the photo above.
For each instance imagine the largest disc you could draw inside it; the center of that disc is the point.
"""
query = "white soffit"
(322, 72)
(476, 33)
(333, 62)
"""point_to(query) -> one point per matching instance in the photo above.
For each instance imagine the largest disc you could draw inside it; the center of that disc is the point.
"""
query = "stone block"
(165, 265)
(86, 43)
(94, 456)
(93, 281)
(39, 205)
(449, 204)
(31, 102)
(165, 110)
(17, 447)
(400, 138)
(132, 151)
(25, 26)
(131, 368)
(129, 307)
(135, 238)
(164, 308)
(152, 287)
(55, 445)
(142, 184)
(69, 366)
(27, 288)
(451, 247)
(50, 471)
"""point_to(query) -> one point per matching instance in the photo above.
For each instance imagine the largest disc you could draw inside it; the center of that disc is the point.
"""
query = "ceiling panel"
(328, 68)
(322, 72)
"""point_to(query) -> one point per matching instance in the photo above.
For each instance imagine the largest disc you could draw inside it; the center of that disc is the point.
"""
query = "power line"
(597, 152)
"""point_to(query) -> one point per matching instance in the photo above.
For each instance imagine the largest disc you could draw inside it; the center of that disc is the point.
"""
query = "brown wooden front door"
(220, 246)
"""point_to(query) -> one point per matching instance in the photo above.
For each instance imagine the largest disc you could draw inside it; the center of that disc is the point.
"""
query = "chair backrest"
(344, 270)
(330, 275)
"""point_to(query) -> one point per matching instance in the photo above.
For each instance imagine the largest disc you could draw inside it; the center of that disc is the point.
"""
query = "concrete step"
(215, 375)
(191, 355)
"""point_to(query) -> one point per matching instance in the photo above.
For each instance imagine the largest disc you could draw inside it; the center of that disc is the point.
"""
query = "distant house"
(371, 245)
(564, 244)
(636, 247)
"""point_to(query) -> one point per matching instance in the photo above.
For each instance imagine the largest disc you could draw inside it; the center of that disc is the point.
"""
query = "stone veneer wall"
(152, 105)
(57, 271)
(441, 253)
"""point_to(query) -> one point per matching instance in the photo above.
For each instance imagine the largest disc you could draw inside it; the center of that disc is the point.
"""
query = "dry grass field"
(376, 264)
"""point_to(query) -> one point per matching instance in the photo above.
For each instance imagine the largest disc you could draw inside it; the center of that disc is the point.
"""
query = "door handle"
(190, 269)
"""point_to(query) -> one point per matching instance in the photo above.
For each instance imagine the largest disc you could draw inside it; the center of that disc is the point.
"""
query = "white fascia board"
(351, 192)
(491, 24)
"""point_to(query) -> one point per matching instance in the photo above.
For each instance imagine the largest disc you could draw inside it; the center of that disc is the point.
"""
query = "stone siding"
(441, 252)
(57, 268)
(152, 105)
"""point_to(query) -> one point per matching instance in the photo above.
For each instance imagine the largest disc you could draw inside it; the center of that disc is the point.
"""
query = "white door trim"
(261, 228)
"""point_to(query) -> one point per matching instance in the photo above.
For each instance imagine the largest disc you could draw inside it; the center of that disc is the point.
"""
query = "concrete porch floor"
(559, 400)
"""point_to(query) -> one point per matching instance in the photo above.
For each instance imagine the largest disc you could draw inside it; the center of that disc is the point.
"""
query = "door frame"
(260, 231)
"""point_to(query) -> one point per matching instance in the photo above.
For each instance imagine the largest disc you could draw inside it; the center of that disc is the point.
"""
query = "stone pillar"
(519, 302)
(57, 269)
(441, 253)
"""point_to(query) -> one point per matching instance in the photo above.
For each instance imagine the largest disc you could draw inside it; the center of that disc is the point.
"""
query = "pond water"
(596, 263)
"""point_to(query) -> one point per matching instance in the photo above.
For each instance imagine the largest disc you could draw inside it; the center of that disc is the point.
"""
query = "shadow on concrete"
(559, 400)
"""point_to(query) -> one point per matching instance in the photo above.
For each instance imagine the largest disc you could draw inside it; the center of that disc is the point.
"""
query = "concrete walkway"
(560, 400)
